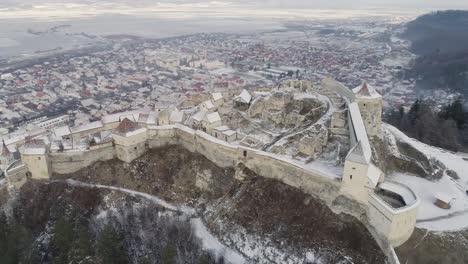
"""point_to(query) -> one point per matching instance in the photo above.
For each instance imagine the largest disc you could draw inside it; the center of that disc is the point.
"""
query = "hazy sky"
(346, 4)
(360, 3)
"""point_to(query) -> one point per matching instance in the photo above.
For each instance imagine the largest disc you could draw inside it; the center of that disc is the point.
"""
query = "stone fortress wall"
(321, 184)
(73, 161)
(361, 180)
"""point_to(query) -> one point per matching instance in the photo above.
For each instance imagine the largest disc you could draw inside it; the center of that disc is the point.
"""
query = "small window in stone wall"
(39, 158)
(135, 148)
(245, 153)
(350, 177)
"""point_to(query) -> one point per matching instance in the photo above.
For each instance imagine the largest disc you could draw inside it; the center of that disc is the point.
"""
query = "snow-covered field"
(430, 216)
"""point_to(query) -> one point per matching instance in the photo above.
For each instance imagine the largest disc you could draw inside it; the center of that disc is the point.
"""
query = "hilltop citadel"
(284, 133)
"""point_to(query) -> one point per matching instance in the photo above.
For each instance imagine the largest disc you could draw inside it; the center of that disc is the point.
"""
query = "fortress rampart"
(396, 224)
(390, 208)
(321, 184)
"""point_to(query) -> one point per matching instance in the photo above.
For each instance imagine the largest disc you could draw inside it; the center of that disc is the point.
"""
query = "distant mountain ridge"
(441, 41)
(441, 32)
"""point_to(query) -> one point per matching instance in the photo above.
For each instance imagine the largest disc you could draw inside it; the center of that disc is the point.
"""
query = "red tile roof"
(126, 126)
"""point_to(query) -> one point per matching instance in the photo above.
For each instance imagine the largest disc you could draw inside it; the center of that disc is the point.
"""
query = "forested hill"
(443, 32)
(441, 41)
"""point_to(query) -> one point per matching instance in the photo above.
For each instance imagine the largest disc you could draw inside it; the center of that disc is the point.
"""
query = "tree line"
(446, 128)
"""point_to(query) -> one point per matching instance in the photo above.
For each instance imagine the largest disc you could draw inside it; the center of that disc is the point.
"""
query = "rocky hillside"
(430, 247)
(188, 211)
(396, 154)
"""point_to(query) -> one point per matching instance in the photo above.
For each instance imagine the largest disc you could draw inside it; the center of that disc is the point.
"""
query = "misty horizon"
(291, 4)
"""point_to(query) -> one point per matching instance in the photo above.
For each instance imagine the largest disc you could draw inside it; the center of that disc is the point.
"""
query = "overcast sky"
(361, 3)
(346, 4)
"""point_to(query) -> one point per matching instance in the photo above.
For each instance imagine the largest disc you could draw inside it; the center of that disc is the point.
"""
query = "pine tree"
(62, 240)
(110, 246)
(82, 250)
(169, 255)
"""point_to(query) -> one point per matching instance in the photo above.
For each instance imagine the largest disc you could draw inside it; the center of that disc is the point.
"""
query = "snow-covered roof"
(216, 96)
(444, 197)
(117, 117)
(86, 127)
(62, 131)
(356, 154)
(213, 117)
(366, 91)
(152, 118)
(199, 116)
(229, 132)
(14, 138)
(208, 104)
(177, 116)
(373, 174)
(88, 102)
(360, 131)
(244, 96)
(221, 128)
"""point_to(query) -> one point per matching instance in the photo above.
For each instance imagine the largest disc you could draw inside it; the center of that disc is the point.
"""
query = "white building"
(210, 121)
(54, 122)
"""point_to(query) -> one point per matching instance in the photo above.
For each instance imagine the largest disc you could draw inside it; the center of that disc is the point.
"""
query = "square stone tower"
(370, 106)
(129, 140)
(36, 156)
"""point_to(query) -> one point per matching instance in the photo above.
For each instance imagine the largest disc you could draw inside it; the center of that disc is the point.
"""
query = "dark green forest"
(446, 128)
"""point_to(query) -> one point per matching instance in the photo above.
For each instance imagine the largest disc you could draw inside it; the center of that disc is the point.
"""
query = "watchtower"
(370, 106)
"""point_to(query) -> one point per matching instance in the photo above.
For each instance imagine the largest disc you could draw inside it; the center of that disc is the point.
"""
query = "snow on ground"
(212, 244)
(209, 242)
(326, 166)
(426, 191)
(454, 222)
(430, 216)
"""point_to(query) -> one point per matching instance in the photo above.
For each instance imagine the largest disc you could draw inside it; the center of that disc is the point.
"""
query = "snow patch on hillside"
(212, 244)
(430, 216)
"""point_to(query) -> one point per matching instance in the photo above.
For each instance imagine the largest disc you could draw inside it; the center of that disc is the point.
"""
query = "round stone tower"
(370, 106)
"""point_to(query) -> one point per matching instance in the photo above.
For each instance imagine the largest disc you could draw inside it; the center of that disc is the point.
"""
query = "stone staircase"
(339, 122)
